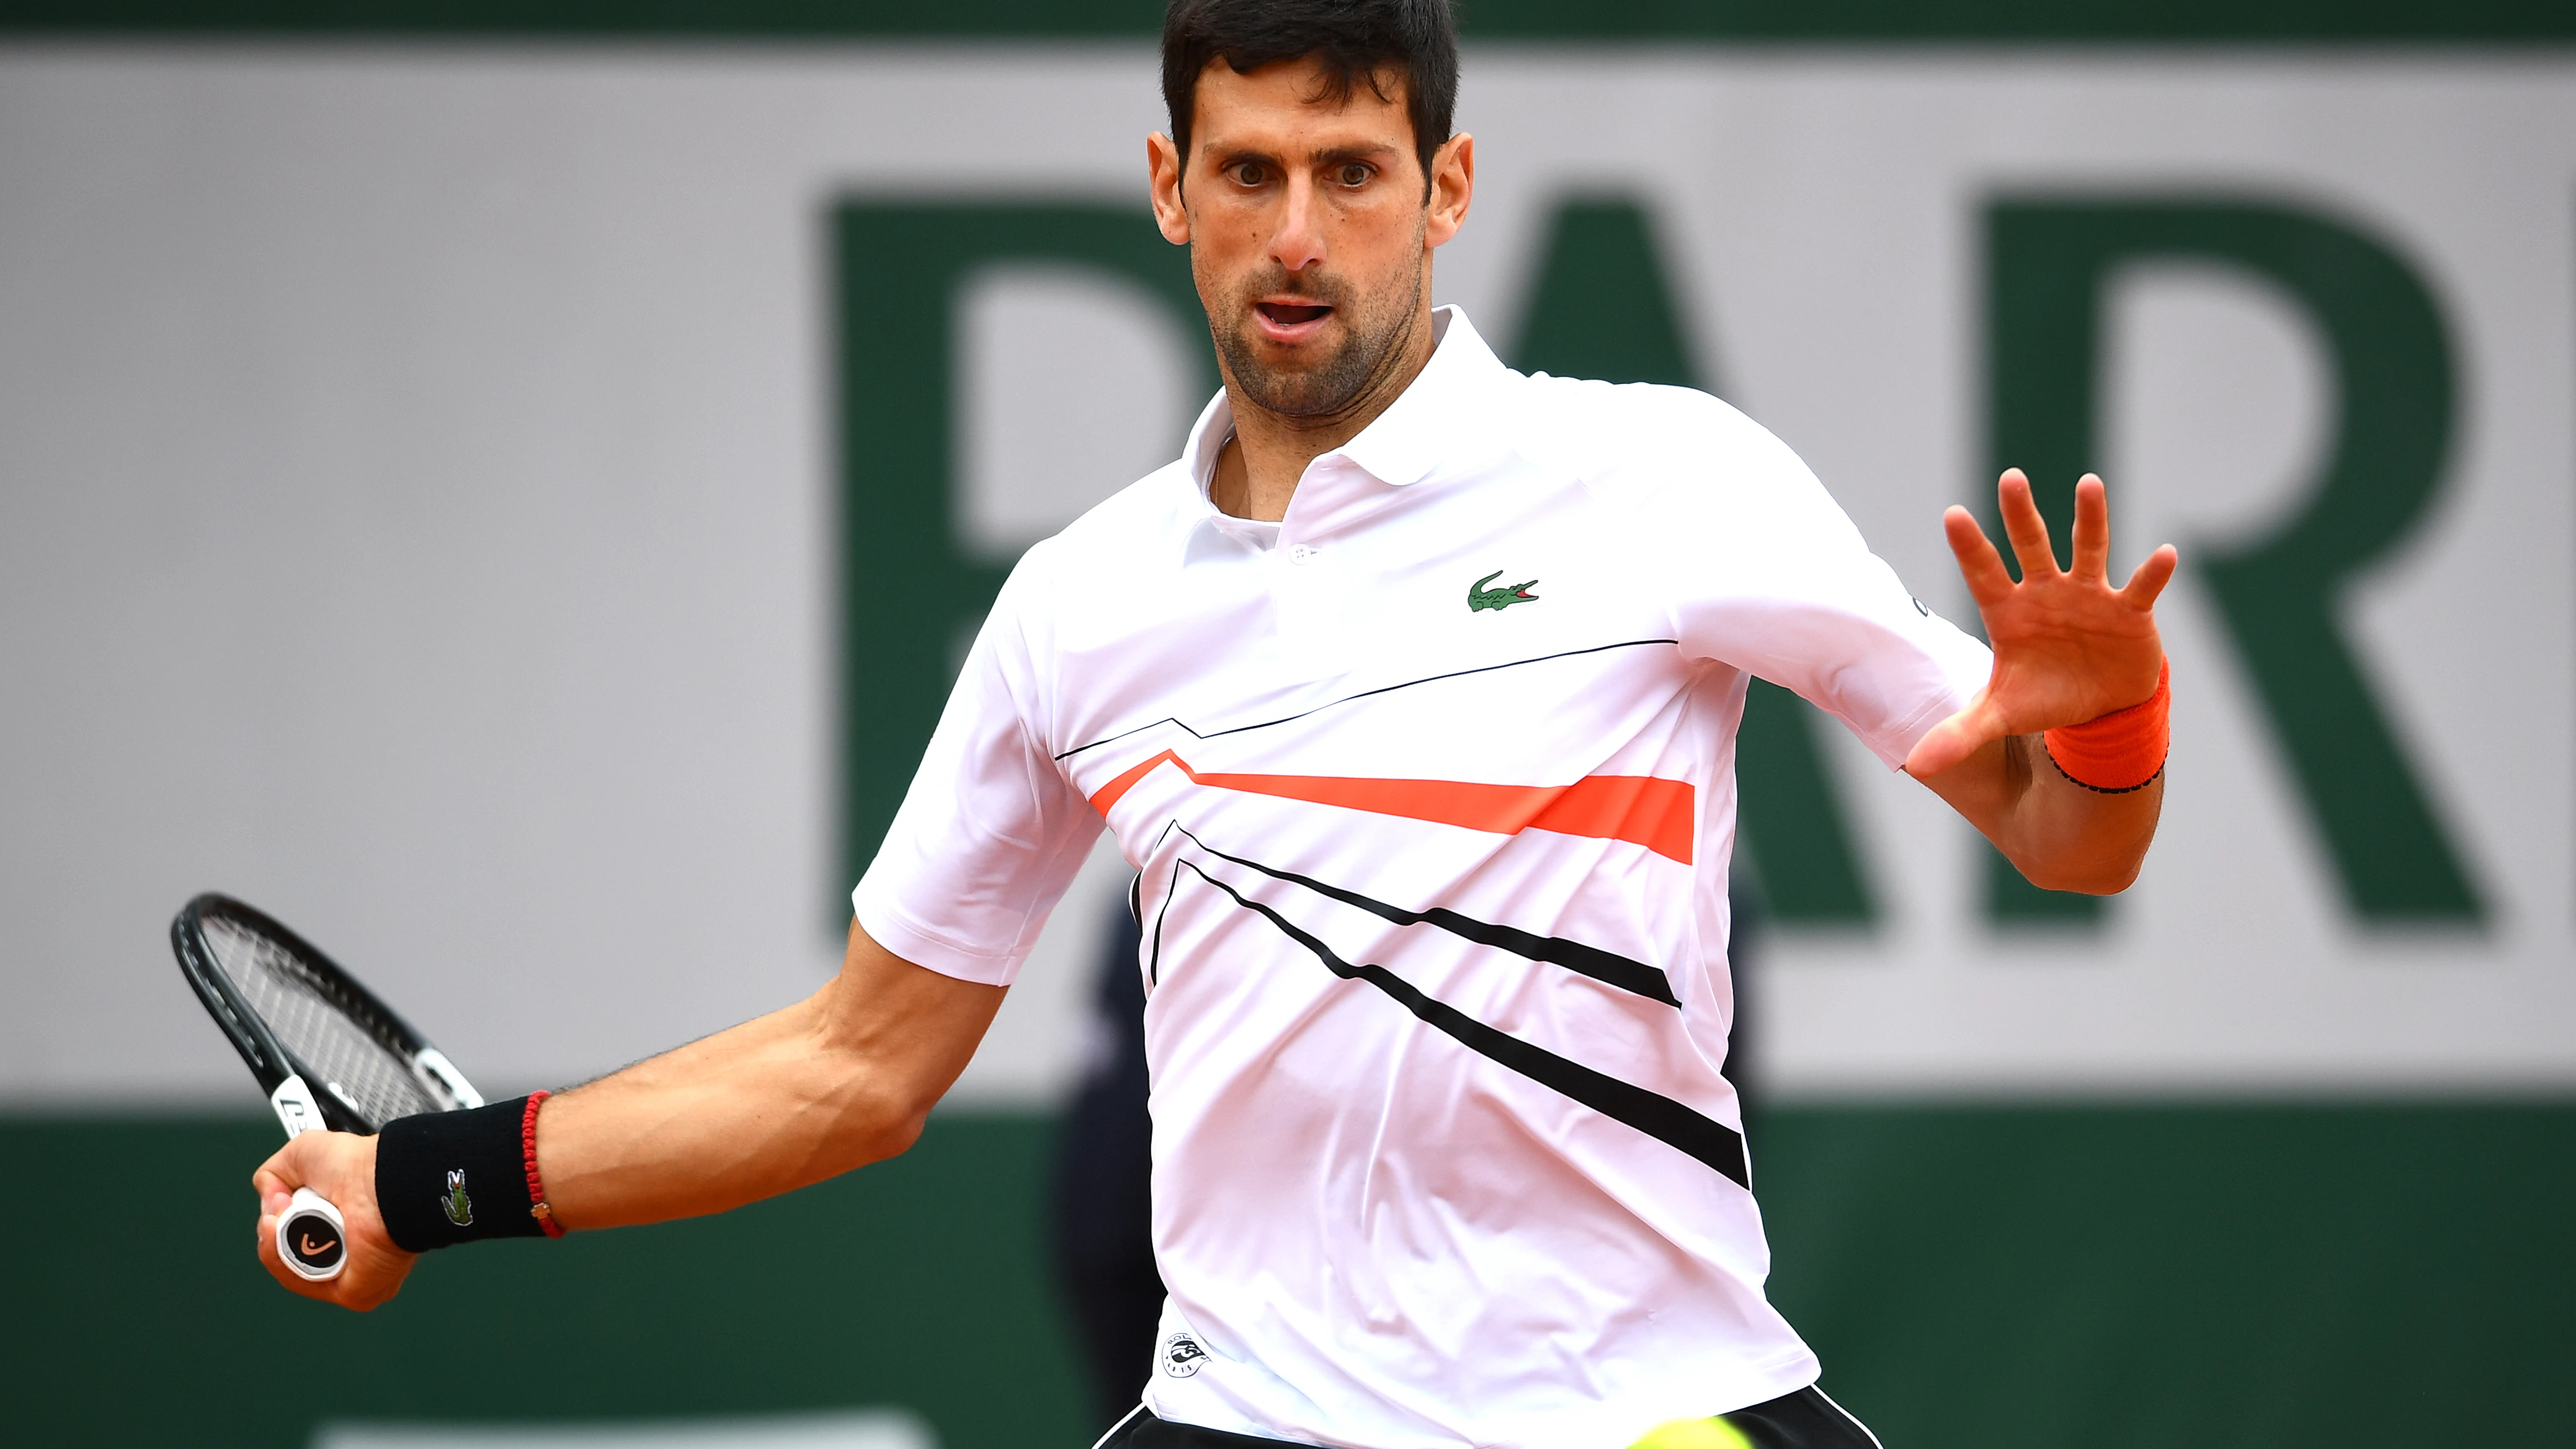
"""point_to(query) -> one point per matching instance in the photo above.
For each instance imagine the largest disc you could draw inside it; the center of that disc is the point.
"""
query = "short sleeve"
(1761, 569)
(991, 833)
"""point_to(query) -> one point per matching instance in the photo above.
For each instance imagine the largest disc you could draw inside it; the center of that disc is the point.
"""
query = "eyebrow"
(1334, 154)
(1222, 154)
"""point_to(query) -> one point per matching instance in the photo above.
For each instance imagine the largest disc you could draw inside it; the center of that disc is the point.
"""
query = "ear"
(1163, 175)
(1453, 185)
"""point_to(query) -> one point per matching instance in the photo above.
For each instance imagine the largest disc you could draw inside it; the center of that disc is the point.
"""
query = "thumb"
(1954, 739)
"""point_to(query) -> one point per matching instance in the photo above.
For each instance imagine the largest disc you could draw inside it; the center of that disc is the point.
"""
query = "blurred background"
(504, 486)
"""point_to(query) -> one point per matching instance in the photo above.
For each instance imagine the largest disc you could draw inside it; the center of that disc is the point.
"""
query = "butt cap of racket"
(311, 1240)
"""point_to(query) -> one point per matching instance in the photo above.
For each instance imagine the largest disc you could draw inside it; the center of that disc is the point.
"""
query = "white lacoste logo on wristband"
(1182, 1356)
(460, 1208)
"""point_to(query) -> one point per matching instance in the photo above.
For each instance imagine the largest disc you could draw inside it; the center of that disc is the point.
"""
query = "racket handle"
(311, 1240)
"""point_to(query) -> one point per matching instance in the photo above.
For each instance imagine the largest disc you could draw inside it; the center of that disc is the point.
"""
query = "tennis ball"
(1695, 1434)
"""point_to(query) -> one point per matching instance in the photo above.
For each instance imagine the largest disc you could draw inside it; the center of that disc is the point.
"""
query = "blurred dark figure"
(1743, 964)
(1103, 1210)
(1103, 1215)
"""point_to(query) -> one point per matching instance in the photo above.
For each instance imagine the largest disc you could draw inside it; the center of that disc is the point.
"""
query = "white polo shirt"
(1431, 791)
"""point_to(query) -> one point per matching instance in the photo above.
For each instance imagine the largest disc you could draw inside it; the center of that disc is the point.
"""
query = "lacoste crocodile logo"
(1503, 597)
(460, 1208)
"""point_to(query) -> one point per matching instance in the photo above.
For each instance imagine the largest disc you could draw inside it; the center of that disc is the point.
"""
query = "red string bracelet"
(541, 1211)
(2122, 750)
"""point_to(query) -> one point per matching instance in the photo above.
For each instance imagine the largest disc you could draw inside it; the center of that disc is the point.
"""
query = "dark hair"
(1354, 40)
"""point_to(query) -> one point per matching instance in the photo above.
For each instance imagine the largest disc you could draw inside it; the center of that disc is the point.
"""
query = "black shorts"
(1803, 1420)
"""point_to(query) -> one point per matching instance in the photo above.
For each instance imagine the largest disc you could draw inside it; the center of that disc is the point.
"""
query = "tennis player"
(1410, 690)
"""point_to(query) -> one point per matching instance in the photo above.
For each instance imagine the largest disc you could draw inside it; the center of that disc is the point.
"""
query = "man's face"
(1308, 229)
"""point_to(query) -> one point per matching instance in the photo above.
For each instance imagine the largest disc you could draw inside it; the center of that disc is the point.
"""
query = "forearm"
(746, 1114)
(2068, 838)
(2061, 835)
(837, 1081)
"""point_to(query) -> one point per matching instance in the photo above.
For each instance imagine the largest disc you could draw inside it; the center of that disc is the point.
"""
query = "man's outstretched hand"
(2068, 647)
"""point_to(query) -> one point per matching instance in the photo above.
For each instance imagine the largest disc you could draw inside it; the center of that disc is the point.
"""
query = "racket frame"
(286, 1078)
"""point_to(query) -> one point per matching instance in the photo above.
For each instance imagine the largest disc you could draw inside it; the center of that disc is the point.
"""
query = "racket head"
(291, 1011)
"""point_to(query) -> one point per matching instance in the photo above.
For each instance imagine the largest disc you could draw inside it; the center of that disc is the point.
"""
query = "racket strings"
(337, 1037)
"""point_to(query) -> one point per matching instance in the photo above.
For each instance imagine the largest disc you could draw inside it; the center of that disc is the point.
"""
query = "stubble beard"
(1335, 385)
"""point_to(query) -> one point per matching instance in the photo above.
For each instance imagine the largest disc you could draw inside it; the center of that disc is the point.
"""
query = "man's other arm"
(2068, 649)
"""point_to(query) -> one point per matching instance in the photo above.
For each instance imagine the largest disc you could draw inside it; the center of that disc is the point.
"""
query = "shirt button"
(1302, 553)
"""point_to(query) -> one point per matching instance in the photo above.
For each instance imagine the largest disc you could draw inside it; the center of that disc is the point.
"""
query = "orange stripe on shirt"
(1640, 809)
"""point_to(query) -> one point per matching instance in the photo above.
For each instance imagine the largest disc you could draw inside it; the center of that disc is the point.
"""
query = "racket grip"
(311, 1240)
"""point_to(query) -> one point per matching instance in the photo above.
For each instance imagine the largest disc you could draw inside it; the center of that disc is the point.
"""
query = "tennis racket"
(330, 1055)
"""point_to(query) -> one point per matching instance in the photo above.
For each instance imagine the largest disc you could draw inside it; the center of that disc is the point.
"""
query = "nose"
(1299, 241)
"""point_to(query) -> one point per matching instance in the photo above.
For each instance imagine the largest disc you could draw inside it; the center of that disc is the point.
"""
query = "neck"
(1257, 474)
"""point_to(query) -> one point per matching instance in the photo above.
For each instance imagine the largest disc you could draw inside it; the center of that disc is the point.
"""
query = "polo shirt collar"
(1406, 443)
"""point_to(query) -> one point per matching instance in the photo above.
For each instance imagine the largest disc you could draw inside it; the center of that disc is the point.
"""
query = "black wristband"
(454, 1177)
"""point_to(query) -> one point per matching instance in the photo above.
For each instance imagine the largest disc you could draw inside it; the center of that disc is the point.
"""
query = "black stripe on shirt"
(1652, 1113)
(1592, 961)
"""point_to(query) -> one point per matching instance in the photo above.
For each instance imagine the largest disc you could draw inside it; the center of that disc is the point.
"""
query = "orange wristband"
(2122, 750)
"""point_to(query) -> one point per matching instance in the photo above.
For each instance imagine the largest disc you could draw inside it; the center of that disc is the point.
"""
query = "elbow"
(895, 1136)
(882, 1120)
(871, 1104)
(2087, 878)
(2095, 885)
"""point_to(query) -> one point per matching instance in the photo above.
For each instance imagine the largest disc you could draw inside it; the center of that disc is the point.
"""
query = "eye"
(1353, 173)
(1249, 173)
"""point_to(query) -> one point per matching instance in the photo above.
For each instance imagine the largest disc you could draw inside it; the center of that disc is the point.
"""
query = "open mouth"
(1288, 314)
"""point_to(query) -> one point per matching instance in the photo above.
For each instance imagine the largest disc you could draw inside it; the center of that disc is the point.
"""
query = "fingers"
(2151, 578)
(2023, 525)
(276, 1181)
(2031, 547)
(2092, 530)
(341, 1167)
(1979, 564)
(282, 1172)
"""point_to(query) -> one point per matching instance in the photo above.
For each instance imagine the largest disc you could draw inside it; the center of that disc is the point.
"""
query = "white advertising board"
(421, 486)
